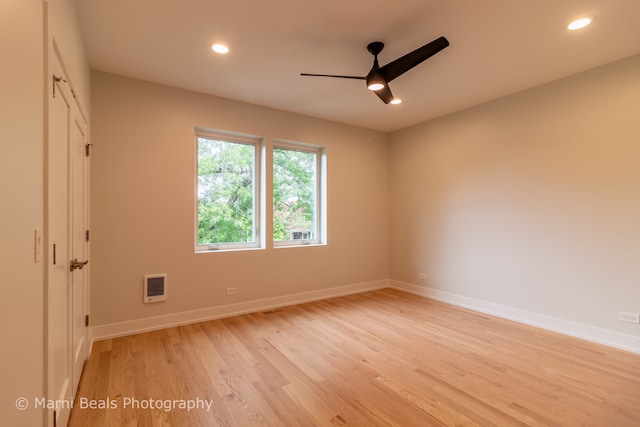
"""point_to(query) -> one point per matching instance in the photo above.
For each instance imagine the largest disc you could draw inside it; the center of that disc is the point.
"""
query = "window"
(227, 197)
(296, 194)
(231, 192)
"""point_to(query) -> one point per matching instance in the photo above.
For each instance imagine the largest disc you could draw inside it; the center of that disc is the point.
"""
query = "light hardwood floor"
(383, 358)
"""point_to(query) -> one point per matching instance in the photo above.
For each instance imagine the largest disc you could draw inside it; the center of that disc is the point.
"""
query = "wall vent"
(155, 287)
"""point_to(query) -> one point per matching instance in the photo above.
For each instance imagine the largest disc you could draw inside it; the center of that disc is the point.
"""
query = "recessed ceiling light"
(396, 101)
(220, 48)
(581, 23)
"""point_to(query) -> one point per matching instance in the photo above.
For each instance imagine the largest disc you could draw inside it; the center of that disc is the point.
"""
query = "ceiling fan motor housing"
(375, 47)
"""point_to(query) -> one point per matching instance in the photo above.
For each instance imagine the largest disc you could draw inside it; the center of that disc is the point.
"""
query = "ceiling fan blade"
(331, 75)
(403, 64)
(384, 94)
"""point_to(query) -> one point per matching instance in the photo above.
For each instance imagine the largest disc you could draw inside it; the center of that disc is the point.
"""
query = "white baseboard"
(590, 333)
(132, 327)
(578, 330)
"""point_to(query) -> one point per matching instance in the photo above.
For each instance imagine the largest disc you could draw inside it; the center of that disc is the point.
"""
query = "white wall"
(22, 151)
(21, 185)
(142, 209)
(529, 205)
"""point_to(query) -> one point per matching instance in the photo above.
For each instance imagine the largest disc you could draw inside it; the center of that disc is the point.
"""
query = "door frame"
(58, 79)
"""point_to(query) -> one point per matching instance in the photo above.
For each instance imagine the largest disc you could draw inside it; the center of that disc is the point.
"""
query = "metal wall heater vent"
(155, 287)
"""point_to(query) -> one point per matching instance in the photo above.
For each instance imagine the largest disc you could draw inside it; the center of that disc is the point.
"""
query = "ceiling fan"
(379, 77)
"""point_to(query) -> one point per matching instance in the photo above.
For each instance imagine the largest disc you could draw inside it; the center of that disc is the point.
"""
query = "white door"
(79, 247)
(66, 225)
(58, 301)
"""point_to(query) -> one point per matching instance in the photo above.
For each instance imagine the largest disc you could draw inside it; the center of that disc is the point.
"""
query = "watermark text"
(166, 405)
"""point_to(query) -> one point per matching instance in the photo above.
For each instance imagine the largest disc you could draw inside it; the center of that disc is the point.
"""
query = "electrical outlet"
(232, 291)
(422, 276)
(630, 317)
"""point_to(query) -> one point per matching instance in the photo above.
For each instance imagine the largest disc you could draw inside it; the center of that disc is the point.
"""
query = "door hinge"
(87, 149)
(86, 236)
(86, 320)
(57, 79)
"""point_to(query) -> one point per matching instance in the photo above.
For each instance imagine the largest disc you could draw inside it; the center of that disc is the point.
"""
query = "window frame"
(319, 190)
(257, 190)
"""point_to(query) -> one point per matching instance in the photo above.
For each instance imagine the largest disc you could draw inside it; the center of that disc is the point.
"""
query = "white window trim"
(320, 223)
(258, 190)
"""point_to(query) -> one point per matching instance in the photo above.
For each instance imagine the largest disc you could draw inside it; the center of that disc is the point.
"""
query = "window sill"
(297, 245)
(209, 251)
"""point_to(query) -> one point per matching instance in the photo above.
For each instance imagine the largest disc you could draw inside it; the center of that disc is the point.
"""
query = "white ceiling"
(498, 47)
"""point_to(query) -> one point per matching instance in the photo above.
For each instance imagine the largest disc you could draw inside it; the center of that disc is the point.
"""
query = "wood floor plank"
(382, 358)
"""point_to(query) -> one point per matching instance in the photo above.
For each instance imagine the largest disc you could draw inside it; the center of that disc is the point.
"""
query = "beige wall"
(21, 186)
(531, 201)
(525, 203)
(143, 172)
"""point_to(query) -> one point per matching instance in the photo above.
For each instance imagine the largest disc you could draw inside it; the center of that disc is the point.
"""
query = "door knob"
(74, 263)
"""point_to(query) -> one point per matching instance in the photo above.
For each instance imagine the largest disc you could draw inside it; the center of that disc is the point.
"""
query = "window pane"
(225, 192)
(294, 194)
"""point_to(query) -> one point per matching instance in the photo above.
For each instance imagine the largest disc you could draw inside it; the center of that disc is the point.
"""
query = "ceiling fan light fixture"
(375, 81)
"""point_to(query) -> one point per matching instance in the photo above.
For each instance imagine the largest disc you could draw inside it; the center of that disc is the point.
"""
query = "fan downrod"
(375, 48)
